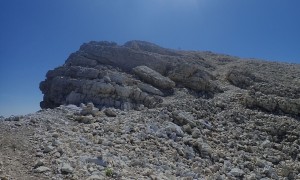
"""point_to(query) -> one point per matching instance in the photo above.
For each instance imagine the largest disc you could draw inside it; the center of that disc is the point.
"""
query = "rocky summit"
(140, 111)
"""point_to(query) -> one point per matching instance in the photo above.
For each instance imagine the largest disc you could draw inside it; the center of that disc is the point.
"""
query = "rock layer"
(104, 73)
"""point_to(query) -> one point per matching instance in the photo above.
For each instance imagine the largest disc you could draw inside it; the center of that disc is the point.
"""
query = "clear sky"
(39, 35)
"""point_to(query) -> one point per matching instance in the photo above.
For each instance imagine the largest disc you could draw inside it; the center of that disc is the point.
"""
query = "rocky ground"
(212, 117)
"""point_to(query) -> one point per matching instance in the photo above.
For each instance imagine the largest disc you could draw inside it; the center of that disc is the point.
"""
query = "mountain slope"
(140, 111)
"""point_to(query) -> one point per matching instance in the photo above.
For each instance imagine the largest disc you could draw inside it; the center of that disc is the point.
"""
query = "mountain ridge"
(140, 111)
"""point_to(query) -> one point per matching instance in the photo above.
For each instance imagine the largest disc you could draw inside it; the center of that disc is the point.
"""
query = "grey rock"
(154, 78)
(48, 149)
(13, 118)
(110, 112)
(272, 103)
(98, 161)
(251, 176)
(89, 109)
(171, 127)
(99, 70)
(204, 149)
(95, 177)
(240, 78)
(66, 168)
(237, 172)
(41, 169)
(123, 91)
(38, 163)
(150, 89)
(183, 118)
(196, 133)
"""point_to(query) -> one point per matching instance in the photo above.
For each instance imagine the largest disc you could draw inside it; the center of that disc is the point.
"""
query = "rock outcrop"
(140, 74)
(140, 111)
(137, 73)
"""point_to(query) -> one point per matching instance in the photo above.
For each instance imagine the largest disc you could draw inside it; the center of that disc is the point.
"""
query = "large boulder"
(193, 77)
(154, 78)
(272, 103)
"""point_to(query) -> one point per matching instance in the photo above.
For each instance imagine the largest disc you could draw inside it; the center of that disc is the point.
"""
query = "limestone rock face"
(141, 74)
(136, 73)
(154, 78)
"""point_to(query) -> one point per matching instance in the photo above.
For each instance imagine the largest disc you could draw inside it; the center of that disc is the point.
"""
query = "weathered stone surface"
(193, 77)
(101, 72)
(240, 78)
(237, 172)
(66, 168)
(272, 103)
(110, 112)
(154, 78)
(41, 169)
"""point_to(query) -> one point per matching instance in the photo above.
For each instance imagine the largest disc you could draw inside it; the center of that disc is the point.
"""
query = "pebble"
(48, 149)
(39, 163)
(236, 172)
(196, 133)
(66, 168)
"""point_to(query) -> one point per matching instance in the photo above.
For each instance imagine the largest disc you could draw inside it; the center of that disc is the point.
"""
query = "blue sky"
(39, 35)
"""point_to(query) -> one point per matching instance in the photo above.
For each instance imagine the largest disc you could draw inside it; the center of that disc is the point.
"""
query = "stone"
(237, 172)
(266, 144)
(251, 176)
(66, 168)
(240, 78)
(150, 89)
(183, 118)
(187, 128)
(196, 133)
(55, 135)
(48, 149)
(89, 109)
(154, 78)
(41, 169)
(38, 163)
(110, 112)
(171, 127)
(95, 177)
(123, 91)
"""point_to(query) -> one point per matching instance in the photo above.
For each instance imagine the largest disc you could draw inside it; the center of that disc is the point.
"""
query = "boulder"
(272, 103)
(66, 168)
(193, 77)
(154, 78)
(41, 169)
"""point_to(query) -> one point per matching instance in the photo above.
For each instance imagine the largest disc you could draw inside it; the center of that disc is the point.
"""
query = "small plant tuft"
(108, 172)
